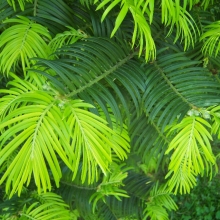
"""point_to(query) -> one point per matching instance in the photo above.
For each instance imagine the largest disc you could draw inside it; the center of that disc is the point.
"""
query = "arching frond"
(21, 3)
(147, 140)
(50, 206)
(174, 15)
(211, 46)
(190, 3)
(99, 71)
(215, 113)
(34, 131)
(22, 41)
(7, 12)
(42, 125)
(174, 79)
(160, 201)
(30, 205)
(78, 194)
(192, 153)
(66, 38)
(89, 136)
(110, 185)
(54, 14)
(142, 31)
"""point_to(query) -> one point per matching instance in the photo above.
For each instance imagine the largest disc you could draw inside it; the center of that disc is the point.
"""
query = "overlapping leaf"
(192, 153)
(211, 37)
(111, 185)
(147, 140)
(45, 127)
(176, 84)
(7, 12)
(31, 205)
(66, 38)
(95, 139)
(21, 3)
(49, 206)
(174, 15)
(32, 126)
(99, 71)
(55, 15)
(142, 31)
(215, 113)
(160, 201)
(22, 41)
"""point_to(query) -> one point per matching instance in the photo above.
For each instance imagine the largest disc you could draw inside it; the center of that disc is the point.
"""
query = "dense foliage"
(107, 108)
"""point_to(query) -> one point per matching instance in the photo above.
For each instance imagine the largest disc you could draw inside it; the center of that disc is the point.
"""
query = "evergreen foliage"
(107, 108)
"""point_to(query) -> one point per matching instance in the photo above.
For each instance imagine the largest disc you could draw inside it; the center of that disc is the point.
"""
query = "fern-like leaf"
(176, 16)
(66, 38)
(142, 31)
(55, 15)
(192, 152)
(21, 3)
(42, 125)
(211, 36)
(147, 140)
(174, 79)
(215, 113)
(99, 71)
(91, 134)
(22, 41)
(160, 201)
(110, 185)
(50, 206)
(34, 130)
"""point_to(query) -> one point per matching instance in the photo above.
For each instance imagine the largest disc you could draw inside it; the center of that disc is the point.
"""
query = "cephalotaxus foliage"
(112, 105)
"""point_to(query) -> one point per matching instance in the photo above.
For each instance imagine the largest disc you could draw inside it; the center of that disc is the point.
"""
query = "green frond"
(22, 41)
(161, 196)
(34, 130)
(7, 12)
(21, 3)
(37, 80)
(87, 3)
(108, 207)
(155, 212)
(110, 185)
(138, 185)
(70, 189)
(142, 32)
(191, 3)
(91, 133)
(215, 113)
(31, 205)
(174, 79)
(147, 140)
(55, 15)
(207, 3)
(104, 28)
(113, 105)
(66, 38)
(31, 122)
(174, 15)
(82, 17)
(160, 201)
(211, 45)
(99, 71)
(50, 206)
(192, 152)
(183, 180)
(77, 195)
